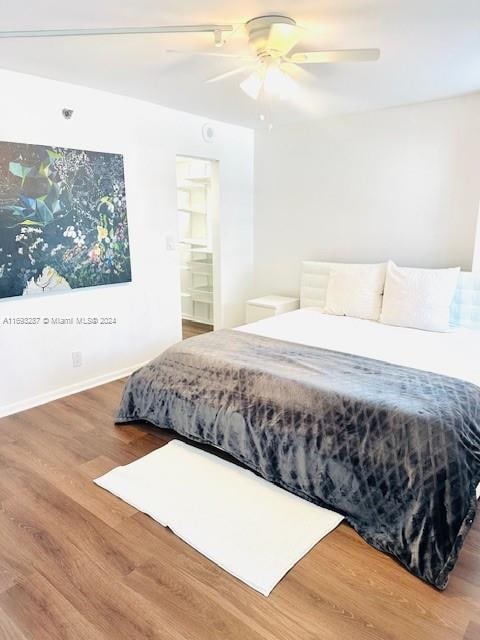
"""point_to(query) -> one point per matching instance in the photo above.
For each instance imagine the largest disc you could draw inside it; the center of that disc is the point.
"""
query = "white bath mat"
(248, 526)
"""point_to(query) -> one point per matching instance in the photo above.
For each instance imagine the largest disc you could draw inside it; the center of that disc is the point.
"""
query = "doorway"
(197, 210)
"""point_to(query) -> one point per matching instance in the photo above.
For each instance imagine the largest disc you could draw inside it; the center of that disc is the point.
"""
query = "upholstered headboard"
(313, 283)
(465, 310)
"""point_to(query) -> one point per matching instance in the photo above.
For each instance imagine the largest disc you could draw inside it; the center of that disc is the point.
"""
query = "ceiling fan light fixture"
(270, 80)
(278, 83)
(283, 37)
(252, 85)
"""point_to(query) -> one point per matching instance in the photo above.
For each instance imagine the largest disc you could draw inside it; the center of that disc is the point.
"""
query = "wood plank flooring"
(191, 329)
(77, 563)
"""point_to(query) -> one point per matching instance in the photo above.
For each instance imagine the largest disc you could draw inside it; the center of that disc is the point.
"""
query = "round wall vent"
(208, 132)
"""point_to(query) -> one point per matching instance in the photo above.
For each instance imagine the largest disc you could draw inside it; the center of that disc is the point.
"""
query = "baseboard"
(62, 392)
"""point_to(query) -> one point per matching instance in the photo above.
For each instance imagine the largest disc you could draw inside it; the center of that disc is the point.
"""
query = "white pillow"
(355, 290)
(419, 298)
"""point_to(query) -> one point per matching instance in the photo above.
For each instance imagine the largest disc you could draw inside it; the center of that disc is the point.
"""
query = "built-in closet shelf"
(198, 319)
(200, 250)
(202, 294)
(198, 213)
(191, 186)
(201, 290)
(205, 269)
(195, 218)
(201, 266)
(198, 242)
(200, 180)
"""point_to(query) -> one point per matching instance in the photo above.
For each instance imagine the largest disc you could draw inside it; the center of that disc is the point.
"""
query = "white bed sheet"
(455, 354)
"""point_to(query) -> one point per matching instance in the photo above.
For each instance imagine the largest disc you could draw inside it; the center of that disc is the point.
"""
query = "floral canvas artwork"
(63, 219)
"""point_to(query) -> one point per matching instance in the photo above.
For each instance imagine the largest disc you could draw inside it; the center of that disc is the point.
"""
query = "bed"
(379, 423)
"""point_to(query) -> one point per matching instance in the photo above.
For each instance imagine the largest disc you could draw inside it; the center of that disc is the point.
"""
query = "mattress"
(454, 354)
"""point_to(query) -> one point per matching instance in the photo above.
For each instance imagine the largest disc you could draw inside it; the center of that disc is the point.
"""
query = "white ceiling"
(430, 49)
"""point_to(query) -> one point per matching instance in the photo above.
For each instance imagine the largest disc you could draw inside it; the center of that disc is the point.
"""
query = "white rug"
(248, 526)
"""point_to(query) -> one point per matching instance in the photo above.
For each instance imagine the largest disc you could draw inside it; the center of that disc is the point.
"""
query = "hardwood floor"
(77, 563)
(191, 329)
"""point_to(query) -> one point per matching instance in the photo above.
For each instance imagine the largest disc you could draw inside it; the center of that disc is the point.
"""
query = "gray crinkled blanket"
(394, 449)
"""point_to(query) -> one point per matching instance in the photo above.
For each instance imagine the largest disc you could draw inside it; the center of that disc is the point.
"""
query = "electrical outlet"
(77, 358)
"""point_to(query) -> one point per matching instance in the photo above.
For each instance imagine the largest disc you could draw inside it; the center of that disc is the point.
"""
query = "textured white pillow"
(355, 290)
(419, 298)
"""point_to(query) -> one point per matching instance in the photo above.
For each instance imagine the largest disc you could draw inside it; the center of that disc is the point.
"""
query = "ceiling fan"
(271, 38)
(271, 63)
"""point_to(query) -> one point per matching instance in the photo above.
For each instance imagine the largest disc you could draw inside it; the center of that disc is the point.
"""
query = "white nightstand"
(268, 306)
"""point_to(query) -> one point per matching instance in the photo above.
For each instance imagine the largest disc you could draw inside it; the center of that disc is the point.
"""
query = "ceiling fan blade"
(283, 37)
(340, 55)
(252, 85)
(228, 74)
(213, 54)
(298, 73)
(62, 33)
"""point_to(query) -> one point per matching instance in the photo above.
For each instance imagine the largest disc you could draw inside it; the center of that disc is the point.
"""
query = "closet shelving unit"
(194, 184)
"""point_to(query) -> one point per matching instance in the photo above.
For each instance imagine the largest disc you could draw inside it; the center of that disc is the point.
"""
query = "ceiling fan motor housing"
(258, 30)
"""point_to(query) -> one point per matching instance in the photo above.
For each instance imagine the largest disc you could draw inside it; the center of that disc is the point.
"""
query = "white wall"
(36, 362)
(476, 251)
(399, 183)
